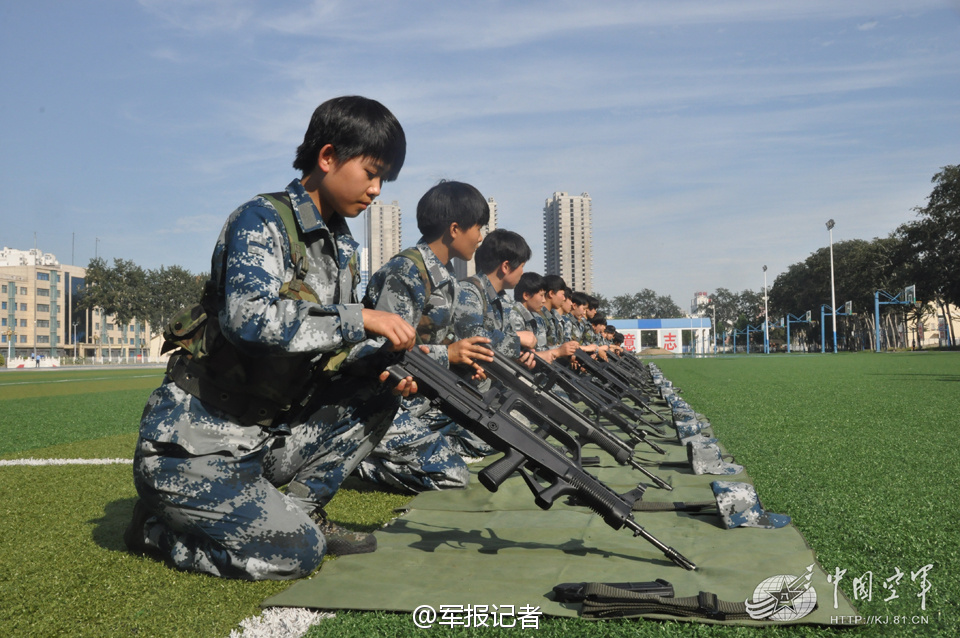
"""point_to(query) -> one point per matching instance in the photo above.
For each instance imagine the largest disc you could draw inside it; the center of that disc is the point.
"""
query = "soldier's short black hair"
(530, 284)
(617, 338)
(356, 127)
(598, 320)
(450, 203)
(592, 302)
(580, 298)
(554, 283)
(501, 245)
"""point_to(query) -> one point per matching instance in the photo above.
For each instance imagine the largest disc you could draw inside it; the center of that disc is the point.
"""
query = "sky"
(714, 136)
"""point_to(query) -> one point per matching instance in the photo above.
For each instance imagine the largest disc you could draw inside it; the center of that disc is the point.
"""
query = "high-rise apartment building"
(463, 269)
(383, 233)
(568, 239)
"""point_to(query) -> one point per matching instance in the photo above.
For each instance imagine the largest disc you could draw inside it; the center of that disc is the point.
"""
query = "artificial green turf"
(855, 447)
(43, 408)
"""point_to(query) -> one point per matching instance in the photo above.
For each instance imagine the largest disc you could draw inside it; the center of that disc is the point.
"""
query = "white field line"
(279, 622)
(39, 462)
(81, 379)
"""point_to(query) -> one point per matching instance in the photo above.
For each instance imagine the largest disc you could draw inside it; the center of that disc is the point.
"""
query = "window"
(43, 276)
(43, 323)
(23, 291)
(43, 292)
(43, 307)
(23, 306)
(3, 305)
(23, 338)
(43, 338)
(3, 338)
(3, 321)
(3, 289)
(23, 323)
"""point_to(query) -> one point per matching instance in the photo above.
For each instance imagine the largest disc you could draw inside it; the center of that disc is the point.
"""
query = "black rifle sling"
(603, 601)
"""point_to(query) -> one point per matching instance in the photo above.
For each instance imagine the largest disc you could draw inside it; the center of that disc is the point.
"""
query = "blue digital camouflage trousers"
(212, 484)
(423, 450)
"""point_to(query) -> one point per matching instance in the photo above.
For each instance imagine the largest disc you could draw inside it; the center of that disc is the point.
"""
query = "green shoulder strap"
(296, 288)
(416, 257)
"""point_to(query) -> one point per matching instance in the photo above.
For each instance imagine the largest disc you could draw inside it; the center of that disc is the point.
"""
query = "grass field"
(857, 448)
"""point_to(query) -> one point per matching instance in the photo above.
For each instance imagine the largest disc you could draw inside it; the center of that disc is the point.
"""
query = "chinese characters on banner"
(670, 340)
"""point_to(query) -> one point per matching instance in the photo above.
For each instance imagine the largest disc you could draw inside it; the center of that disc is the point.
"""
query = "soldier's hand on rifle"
(398, 332)
(405, 388)
(528, 359)
(469, 351)
(567, 349)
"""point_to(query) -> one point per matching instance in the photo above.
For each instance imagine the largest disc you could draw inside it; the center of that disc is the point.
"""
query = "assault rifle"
(632, 371)
(490, 415)
(602, 403)
(613, 384)
(519, 379)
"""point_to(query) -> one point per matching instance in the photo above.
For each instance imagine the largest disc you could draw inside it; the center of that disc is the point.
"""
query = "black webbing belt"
(603, 601)
(675, 506)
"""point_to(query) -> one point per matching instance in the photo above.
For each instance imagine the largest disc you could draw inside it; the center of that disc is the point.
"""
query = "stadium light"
(766, 315)
(833, 291)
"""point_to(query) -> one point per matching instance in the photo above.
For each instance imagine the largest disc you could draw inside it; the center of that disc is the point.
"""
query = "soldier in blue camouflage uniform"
(499, 261)
(558, 346)
(593, 305)
(246, 413)
(578, 315)
(419, 286)
(552, 302)
(528, 300)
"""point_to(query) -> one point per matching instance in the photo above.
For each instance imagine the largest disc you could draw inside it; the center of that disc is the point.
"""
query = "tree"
(119, 291)
(861, 268)
(645, 304)
(127, 292)
(941, 236)
(169, 290)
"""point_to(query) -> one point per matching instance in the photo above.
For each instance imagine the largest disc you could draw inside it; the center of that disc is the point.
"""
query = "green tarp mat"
(474, 547)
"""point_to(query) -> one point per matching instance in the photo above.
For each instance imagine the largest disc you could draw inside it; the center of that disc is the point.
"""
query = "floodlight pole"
(833, 290)
(766, 315)
(714, 327)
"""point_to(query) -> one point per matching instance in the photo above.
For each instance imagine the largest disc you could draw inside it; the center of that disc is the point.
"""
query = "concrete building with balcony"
(568, 239)
(384, 234)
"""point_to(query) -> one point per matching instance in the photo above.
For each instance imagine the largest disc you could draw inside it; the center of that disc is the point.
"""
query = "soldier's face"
(349, 187)
(511, 275)
(464, 242)
(535, 301)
